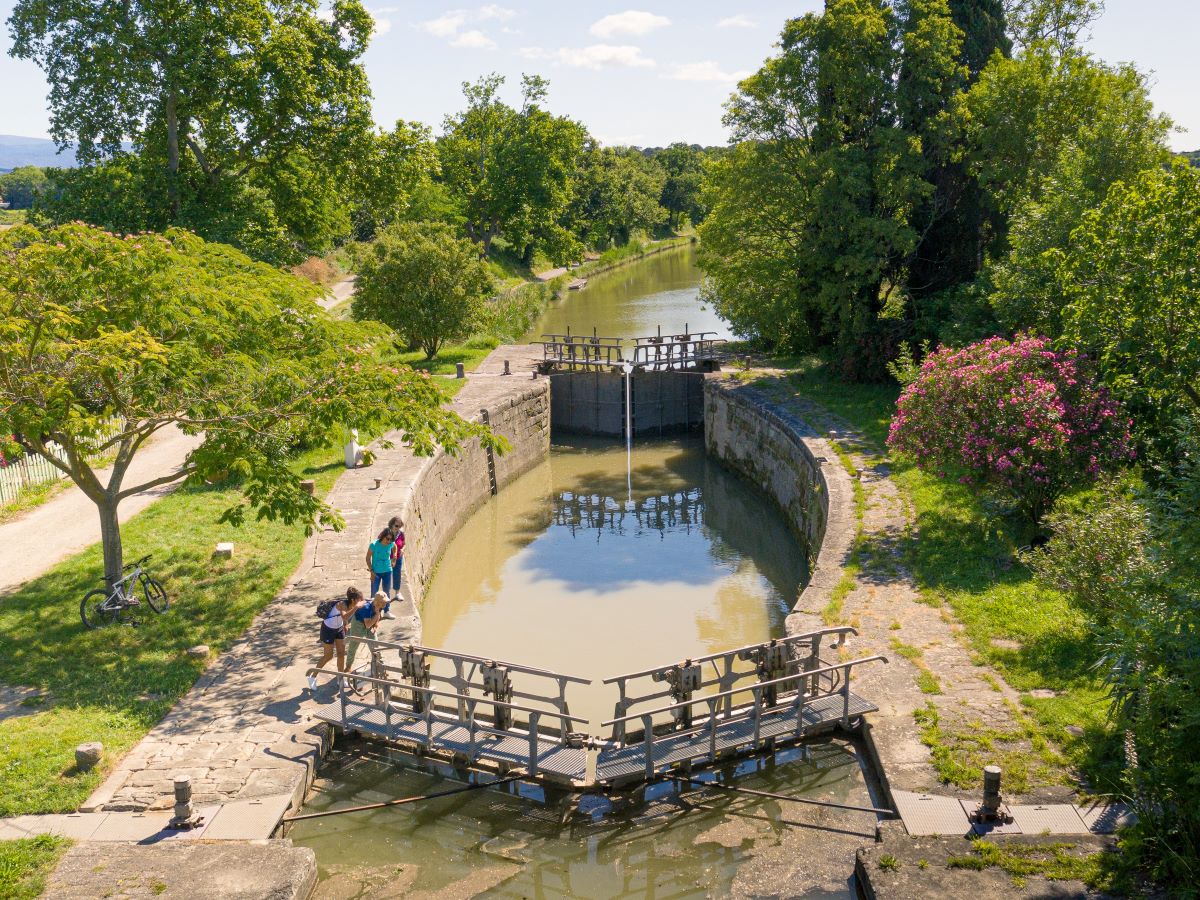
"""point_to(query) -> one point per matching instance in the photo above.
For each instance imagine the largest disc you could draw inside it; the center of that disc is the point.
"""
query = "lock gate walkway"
(500, 716)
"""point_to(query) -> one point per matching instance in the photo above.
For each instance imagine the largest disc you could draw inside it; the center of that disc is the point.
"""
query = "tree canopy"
(423, 281)
(142, 332)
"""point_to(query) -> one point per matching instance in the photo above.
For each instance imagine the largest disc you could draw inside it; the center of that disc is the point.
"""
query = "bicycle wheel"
(156, 594)
(94, 609)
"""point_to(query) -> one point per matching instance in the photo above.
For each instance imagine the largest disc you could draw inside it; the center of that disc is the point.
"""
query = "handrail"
(741, 690)
(447, 654)
(790, 639)
(460, 698)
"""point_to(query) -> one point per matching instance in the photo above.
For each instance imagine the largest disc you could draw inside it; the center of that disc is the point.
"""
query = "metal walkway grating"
(616, 762)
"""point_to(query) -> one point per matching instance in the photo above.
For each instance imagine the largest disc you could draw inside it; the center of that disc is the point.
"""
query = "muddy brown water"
(595, 565)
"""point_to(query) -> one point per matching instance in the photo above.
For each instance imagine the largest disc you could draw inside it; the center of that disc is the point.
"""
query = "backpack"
(324, 608)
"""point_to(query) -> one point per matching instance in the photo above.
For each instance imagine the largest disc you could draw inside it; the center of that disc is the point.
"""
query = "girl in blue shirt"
(379, 562)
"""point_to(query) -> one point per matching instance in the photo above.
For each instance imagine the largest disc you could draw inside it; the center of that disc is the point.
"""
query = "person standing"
(333, 630)
(396, 524)
(379, 562)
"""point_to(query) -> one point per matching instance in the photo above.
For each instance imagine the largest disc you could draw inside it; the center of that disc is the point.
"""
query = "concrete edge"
(832, 551)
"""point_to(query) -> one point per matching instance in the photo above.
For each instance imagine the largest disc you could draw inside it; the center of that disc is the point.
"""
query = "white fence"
(31, 469)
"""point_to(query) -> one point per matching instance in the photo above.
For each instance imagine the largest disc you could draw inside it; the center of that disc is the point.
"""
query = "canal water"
(589, 568)
(493, 844)
(635, 300)
(594, 565)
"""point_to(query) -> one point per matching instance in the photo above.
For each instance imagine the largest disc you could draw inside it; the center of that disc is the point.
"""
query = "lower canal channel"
(593, 564)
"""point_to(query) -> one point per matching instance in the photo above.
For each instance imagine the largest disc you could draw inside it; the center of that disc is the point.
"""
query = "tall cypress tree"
(952, 222)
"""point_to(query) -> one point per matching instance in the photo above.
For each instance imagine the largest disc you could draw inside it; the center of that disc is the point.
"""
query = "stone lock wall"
(795, 466)
(448, 489)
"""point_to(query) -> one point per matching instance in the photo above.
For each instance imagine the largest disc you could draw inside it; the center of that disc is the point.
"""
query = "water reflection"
(633, 300)
(497, 845)
(572, 570)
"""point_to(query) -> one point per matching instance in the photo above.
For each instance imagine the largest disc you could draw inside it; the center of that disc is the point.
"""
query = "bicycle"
(101, 606)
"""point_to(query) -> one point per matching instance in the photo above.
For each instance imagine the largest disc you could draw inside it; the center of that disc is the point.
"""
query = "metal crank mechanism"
(684, 680)
(414, 665)
(771, 662)
(498, 685)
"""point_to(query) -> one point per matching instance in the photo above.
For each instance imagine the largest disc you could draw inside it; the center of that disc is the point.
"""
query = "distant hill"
(26, 151)
(1192, 156)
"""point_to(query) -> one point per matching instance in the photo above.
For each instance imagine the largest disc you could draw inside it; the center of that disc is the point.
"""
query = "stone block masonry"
(796, 467)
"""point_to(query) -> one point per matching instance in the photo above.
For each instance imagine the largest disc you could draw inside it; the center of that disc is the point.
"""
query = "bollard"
(459, 371)
(991, 791)
(185, 816)
(507, 371)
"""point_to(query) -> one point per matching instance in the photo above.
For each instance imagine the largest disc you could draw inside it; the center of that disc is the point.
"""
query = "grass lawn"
(24, 865)
(113, 684)
(965, 558)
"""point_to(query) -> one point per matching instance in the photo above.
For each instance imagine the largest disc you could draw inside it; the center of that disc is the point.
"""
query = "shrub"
(1014, 417)
(316, 270)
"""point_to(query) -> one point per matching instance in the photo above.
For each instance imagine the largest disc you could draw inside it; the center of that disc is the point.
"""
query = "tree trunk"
(110, 537)
(172, 114)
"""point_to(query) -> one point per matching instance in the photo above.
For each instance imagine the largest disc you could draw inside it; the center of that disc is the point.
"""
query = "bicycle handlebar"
(134, 565)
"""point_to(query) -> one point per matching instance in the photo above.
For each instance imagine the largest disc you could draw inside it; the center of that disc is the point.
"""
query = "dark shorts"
(329, 635)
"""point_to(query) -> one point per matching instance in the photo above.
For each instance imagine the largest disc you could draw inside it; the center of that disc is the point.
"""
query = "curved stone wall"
(795, 466)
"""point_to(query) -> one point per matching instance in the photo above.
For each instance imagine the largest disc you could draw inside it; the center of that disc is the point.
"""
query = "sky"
(633, 72)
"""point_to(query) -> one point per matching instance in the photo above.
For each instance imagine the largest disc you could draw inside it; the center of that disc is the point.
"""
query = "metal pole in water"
(628, 432)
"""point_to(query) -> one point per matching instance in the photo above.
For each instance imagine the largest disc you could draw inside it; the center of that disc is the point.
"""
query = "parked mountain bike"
(102, 606)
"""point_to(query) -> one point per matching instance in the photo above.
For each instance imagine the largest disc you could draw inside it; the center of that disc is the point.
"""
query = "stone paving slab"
(185, 870)
(928, 814)
(248, 819)
(77, 826)
(1054, 818)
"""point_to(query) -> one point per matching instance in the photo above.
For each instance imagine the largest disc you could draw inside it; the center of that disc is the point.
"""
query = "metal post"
(845, 696)
(712, 730)
(648, 741)
(533, 742)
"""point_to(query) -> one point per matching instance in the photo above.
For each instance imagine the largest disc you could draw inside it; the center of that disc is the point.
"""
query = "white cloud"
(595, 56)
(473, 40)
(492, 11)
(738, 21)
(633, 22)
(705, 71)
(446, 24)
(382, 26)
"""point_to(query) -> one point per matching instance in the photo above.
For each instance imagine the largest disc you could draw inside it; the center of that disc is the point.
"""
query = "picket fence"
(19, 475)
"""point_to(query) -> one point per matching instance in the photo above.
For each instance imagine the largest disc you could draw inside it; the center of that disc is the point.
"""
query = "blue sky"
(634, 72)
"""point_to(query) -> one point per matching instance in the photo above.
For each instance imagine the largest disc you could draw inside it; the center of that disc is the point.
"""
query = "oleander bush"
(1016, 418)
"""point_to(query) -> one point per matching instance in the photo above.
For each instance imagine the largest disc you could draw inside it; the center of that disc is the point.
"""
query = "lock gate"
(500, 716)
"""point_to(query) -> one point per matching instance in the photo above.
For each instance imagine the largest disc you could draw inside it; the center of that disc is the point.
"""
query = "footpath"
(35, 541)
(245, 733)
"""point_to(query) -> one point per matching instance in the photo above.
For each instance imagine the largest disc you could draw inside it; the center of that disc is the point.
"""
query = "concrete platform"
(184, 870)
(931, 814)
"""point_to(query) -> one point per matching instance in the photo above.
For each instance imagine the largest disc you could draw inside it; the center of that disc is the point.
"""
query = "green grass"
(115, 683)
(12, 216)
(25, 863)
(1053, 861)
(963, 555)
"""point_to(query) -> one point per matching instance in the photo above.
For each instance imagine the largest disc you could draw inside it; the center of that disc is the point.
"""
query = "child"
(379, 562)
(333, 632)
(396, 524)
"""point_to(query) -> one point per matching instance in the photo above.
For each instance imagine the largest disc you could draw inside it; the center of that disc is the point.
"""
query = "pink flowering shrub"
(1015, 417)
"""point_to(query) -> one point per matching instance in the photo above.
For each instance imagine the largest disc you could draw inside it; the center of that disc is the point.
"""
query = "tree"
(141, 332)
(1052, 133)
(207, 93)
(682, 191)
(1056, 24)
(20, 187)
(616, 192)
(1132, 286)
(391, 175)
(510, 170)
(424, 282)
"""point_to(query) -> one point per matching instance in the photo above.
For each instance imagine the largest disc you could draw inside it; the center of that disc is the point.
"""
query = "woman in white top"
(333, 632)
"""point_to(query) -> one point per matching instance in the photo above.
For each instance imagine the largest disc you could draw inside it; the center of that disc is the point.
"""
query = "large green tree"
(1132, 285)
(1051, 132)
(395, 169)
(510, 170)
(149, 331)
(208, 93)
(682, 192)
(20, 187)
(615, 192)
(423, 281)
